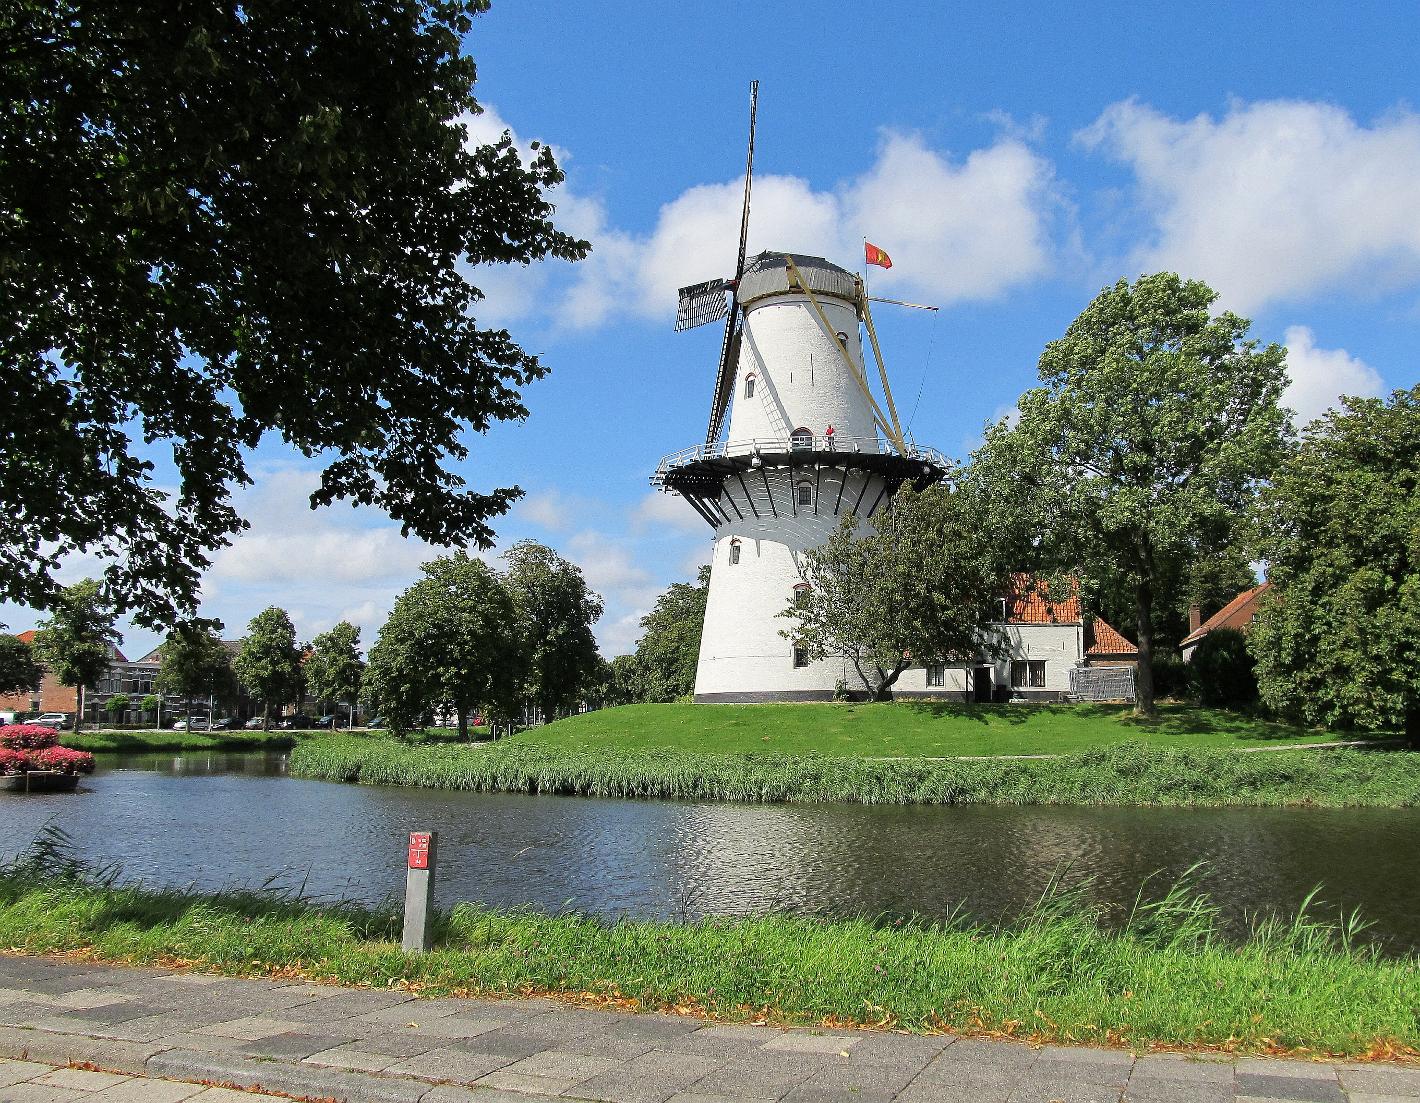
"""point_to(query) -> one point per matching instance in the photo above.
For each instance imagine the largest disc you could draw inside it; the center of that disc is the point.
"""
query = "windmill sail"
(730, 346)
(701, 303)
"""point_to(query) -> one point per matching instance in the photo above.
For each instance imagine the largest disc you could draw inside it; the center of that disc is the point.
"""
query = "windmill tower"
(807, 442)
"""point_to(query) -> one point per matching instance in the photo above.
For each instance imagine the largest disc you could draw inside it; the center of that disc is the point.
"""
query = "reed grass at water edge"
(1131, 773)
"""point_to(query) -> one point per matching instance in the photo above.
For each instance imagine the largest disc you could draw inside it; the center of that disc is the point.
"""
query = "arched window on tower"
(734, 551)
(800, 440)
(802, 590)
(749, 386)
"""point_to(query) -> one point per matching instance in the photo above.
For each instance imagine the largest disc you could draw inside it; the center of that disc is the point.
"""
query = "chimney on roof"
(1195, 618)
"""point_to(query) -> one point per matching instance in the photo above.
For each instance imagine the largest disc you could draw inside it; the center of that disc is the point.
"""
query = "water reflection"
(215, 820)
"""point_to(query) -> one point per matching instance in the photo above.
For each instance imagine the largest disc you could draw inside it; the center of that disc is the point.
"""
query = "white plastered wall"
(1060, 646)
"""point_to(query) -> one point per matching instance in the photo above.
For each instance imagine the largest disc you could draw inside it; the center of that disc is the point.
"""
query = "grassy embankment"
(1164, 978)
(717, 753)
(109, 741)
(909, 729)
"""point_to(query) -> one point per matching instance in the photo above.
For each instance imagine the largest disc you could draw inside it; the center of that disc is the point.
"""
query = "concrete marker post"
(419, 890)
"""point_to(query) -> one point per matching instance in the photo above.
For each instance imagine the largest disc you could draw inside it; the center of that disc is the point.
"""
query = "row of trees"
(465, 637)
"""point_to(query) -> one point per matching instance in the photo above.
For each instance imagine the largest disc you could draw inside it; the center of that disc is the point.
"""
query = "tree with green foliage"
(19, 672)
(194, 663)
(268, 663)
(922, 584)
(556, 610)
(334, 668)
(116, 707)
(1337, 638)
(1143, 449)
(669, 648)
(152, 705)
(451, 641)
(229, 220)
(1221, 672)
(75, 642)
(623, 680)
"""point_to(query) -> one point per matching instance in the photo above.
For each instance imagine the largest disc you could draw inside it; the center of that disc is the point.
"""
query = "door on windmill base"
(981, 685)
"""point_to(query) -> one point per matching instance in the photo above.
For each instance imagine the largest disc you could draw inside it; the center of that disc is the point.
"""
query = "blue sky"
(1012, 159)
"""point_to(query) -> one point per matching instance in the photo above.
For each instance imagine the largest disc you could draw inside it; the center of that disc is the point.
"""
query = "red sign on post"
(419, 850)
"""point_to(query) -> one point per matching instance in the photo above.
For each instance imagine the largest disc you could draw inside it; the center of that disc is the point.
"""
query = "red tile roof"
(28, 636)
(1238, 614)
(1030, 603)
(1106, 641)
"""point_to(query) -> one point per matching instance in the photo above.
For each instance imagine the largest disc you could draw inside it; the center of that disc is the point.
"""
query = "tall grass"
(1058, 973)
(1126, 773)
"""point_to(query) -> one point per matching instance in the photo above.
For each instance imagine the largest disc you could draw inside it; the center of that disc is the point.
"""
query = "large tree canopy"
(76, 640)
(556, 610)
(663, 667)
(1140, 454)
(923, 586)
(193, 662)
(452, 640)
(334, 668)
(18, 670)
(1337, 640)
(220, 220)
(268, 663)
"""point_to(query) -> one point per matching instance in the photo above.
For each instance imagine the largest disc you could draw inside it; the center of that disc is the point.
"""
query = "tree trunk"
(463, 722)
(883, 692)
(1412, 725)
(266, 716)
(1144, 706)
(79, 712)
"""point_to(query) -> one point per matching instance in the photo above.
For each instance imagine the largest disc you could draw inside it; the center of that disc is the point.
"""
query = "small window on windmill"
(734, 552)
(749, 386)
(801, 440)
(806, 493)
(843, 339)
(801, 595)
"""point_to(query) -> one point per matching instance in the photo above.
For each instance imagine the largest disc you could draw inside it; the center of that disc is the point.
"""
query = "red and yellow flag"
(873, 255)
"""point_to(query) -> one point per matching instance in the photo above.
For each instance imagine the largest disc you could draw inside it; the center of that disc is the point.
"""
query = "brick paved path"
(158, 1028)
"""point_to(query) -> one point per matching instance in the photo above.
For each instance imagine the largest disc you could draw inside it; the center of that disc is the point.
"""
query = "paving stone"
(451, 1026)
(203, 1043)
(980, 1055)
(24, 1012)
(1367, 1097)
(251, 1028)
(520, 1082)
(64, 1049)
(1178, 1091)
(453, 1093)
(601, 1045)
(1306, 1089)
(977, 1088)
(40, 1093)
(1069, 1092)
(559, 1065)
(227, 1095)
(863, 1082)
(914, 1050)
(148, 1091)
(1181, 1067)
(651, 1078)
(506, 1041)
(1276, 1066)
(450, 1064)
(1084, 1072)
(352, 1057)
(156, 1026)
(81, 1079)
(414, 1011)
(812, 1043)
(656, 1029)
(763, 1076)
(290, 1046)
(1380, 1080)
(348, 1004)
(112, 1013)
(86, 998)
(722, 1041)
(12, 1072)
(1085, 1055)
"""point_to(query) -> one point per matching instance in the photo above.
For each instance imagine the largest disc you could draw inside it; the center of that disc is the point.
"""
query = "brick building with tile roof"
(1238, 614)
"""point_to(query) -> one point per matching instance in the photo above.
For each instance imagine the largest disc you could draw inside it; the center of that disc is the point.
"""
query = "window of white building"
(749, 386)
(801, 656)
(936, 675)
(801, 439)
(1028, 674)
(734, 552)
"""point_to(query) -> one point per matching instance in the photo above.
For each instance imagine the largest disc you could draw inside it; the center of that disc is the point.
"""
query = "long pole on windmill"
(724, 377)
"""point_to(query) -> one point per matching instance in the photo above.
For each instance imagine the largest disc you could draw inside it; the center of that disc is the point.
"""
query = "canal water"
(217, 821)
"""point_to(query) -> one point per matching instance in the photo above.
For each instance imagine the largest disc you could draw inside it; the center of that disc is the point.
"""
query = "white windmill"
(808, 441)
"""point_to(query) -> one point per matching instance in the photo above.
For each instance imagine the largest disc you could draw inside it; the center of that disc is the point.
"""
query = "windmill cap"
(768, 274)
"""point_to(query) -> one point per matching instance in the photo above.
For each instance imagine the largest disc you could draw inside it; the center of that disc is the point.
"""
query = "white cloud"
(660, 512)
(1320, 376)
(956, 231)
(549, 509)
(619, 636)
(1277, 200)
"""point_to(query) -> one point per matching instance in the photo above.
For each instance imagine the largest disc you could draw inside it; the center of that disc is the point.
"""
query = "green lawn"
(134, 742)
(906, 729)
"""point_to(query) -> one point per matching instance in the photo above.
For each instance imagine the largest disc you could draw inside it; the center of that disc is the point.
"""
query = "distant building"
(51, 696)
(1238, 613)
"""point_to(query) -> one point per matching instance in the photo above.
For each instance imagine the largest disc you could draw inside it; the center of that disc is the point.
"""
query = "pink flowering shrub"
(62, 759)
(13, 762)
(25, 747)
(27, 737)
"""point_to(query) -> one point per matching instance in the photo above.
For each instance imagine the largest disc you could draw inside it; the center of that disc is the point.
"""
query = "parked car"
(254, 724)
(198, 722)
(296, 722)
(327, 721)
(55, 720)
(375, 722)
(221, 724)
